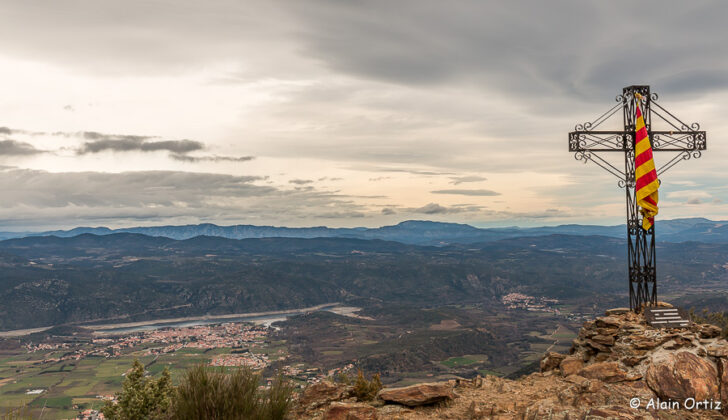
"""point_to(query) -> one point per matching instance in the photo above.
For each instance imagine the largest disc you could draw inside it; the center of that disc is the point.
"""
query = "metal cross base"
(684, 140)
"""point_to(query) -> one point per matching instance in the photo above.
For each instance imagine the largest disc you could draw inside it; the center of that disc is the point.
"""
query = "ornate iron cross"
(686, 141)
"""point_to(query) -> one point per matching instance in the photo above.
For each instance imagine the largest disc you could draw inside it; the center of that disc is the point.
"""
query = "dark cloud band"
(17, 148)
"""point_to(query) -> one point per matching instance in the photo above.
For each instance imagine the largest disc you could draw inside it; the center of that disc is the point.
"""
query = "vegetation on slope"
(201, 394)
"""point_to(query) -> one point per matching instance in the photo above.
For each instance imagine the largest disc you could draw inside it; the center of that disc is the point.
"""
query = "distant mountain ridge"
(416, 232)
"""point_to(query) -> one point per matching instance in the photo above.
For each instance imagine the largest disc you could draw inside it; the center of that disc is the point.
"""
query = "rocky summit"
(619, 367)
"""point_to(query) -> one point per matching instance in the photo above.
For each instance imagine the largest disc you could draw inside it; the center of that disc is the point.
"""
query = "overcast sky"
(343, 113)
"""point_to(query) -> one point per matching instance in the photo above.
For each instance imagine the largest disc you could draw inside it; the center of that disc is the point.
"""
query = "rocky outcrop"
(570, 366)
(551, 361)
(420, 394)
(322, 393)
(614, 360)
(350, 411)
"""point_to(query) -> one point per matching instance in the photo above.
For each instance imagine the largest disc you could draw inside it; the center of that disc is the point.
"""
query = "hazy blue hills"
(410, 232)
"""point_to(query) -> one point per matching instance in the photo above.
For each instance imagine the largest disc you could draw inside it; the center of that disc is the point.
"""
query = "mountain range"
(415, 232)
(118, 277)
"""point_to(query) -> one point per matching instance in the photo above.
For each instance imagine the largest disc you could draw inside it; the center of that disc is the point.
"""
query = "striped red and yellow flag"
(645, 173)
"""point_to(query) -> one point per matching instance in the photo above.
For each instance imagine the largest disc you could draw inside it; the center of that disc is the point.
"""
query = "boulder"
(609, 372)
(551, 361)
(350, 411)
(420, 394)
(322, 393)
(571, 366)
(683, 375)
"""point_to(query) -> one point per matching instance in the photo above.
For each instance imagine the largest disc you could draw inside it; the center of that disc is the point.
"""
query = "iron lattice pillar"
(641, 256)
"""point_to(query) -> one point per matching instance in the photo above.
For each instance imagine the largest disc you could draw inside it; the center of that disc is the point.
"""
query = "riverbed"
(260, 318)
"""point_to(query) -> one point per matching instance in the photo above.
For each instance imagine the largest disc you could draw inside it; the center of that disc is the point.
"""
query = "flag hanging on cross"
(645, 174)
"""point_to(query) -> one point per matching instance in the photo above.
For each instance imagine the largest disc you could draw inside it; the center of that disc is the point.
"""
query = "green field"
(78, 383)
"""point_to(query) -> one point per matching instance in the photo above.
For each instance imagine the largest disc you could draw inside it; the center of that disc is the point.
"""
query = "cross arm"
(585, 144)
(621, 141)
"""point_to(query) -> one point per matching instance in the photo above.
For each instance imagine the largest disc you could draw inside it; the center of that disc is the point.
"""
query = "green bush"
(213, 395)
(366, 390)
(141, 397)
(201, 394)
(342, 378)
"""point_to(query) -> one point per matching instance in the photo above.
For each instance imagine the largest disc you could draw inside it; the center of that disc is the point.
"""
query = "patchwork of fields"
(59, 376)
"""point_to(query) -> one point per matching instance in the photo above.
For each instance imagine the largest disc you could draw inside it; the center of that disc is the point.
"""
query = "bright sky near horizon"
(342, 113)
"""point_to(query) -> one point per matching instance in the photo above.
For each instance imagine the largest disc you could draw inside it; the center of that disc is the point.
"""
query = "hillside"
(127, 277)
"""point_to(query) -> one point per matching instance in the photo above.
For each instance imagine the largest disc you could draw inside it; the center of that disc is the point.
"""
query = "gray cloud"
(213, 158)
(17, 148)
(144, 188)
(478, 193)
(300, 181)
(126, 143)
(434, 208)
(694, 201)
(387, 211)
(100, 142)
(424, 172)
(522, 46)
(178, 149)
(431, 208)
(35, 198)
(456, 180)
